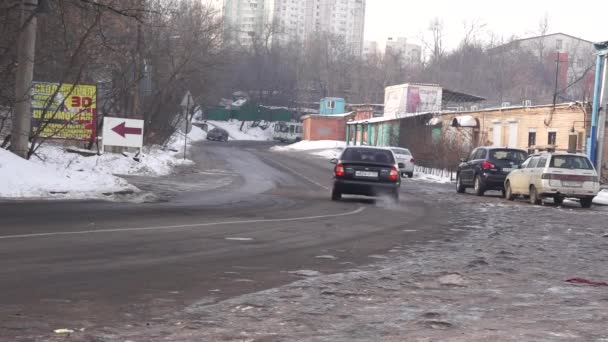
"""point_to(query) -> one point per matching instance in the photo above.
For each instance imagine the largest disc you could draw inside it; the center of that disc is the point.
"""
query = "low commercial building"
(442, 138)
(333, 127)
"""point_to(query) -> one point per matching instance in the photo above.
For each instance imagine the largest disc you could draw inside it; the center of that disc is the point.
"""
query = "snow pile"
(55, 173)
(602, 198)
(30, 178)
(307, 145)
(433, 175)
(322, 148)
(249, 132)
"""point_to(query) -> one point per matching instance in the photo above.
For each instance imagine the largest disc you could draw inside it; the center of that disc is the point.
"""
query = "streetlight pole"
(26, 46)
(595, 138)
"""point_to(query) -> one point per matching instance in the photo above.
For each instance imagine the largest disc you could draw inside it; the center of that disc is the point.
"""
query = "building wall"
(410, 53)
(339, 106)
(524, 120)
(244, 20)
(324, 128)
(327, 127)
(370, 49)
(576, 56)
(301, 19)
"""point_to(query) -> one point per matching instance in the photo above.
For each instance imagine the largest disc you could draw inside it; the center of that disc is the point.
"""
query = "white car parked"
(404, 156)
(554, 175)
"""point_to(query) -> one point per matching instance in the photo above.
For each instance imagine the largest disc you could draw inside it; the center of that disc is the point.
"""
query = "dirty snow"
(54, 173)
(307, 145)
(249, 132)
(323, 148)
(432, 175)
(33, 178)
(602, 198)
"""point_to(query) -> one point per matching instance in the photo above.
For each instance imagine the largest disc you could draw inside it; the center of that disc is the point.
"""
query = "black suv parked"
(487, 167)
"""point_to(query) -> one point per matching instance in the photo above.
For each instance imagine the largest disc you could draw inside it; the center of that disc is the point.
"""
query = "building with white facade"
(244, 20)
(299, 20)
(580, 52)
(576, 59)
(399, 46)
(370, 48)
(293, 20)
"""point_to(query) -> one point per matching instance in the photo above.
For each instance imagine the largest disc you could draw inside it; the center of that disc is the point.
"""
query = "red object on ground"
(585, 282)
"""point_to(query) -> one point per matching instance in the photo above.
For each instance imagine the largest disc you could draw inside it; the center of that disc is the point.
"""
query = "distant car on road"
(218, 134)
(366, 171)
(487, 167)
(405, 157)
(554, 175)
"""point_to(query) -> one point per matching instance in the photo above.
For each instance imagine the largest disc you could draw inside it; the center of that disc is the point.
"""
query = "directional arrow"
(123, 130)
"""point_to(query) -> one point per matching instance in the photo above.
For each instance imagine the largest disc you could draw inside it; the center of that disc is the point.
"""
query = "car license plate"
(572, 184)
(366, 174)
(507, 169)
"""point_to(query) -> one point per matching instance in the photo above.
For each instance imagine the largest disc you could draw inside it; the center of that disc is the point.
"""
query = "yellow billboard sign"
(64, 111)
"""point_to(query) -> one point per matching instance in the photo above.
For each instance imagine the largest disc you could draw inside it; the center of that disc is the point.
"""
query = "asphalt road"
(240, 221)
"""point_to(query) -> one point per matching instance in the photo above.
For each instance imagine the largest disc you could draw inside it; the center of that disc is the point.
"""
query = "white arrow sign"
(123, 132)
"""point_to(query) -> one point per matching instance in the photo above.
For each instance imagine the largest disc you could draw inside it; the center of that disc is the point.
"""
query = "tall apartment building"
(371, 48)
(410, 53)
(244, 19)
(299, 20)
(295, 20)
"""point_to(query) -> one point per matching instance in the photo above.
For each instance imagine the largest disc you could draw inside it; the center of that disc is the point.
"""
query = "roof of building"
(500, 47)
(456, 96)
(554, 34)
(409, 115)
(328, 116)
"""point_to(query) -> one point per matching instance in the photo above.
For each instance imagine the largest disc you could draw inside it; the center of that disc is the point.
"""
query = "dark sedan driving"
(366, 171)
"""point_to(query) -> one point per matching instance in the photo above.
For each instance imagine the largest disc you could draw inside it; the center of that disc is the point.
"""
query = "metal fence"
(437, 172)
(248, 113)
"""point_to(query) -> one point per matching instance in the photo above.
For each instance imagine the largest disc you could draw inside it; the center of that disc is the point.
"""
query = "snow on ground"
(29, 178)
(307, 145)
(248, 133)
(323, 148)
(433, 175)
(602, 198)
(54, 173)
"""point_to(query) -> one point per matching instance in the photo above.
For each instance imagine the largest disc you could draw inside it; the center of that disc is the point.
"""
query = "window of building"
(552, 138)
(559, 44)
(531, 139)
(331, 104)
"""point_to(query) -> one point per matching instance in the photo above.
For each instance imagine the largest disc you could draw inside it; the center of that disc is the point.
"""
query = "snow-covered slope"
(248, 133)
(55, 173)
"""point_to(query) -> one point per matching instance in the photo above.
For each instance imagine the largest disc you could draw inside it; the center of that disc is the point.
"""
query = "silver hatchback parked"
(554, 175)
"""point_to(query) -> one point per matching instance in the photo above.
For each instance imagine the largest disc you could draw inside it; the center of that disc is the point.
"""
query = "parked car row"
(536, 177)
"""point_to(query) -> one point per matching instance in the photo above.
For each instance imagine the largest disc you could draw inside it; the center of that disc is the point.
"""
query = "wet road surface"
(238, 222)
(245, 220)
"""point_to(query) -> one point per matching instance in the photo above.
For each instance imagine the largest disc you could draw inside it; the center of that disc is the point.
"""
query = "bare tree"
(436, 30)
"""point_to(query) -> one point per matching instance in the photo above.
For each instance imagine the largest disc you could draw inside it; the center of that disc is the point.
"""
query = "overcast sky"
(410, 18)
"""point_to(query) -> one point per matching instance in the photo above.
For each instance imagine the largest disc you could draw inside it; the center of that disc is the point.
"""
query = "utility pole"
(595, 139)
(556, 80)
(601, 129)
(26, 46)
